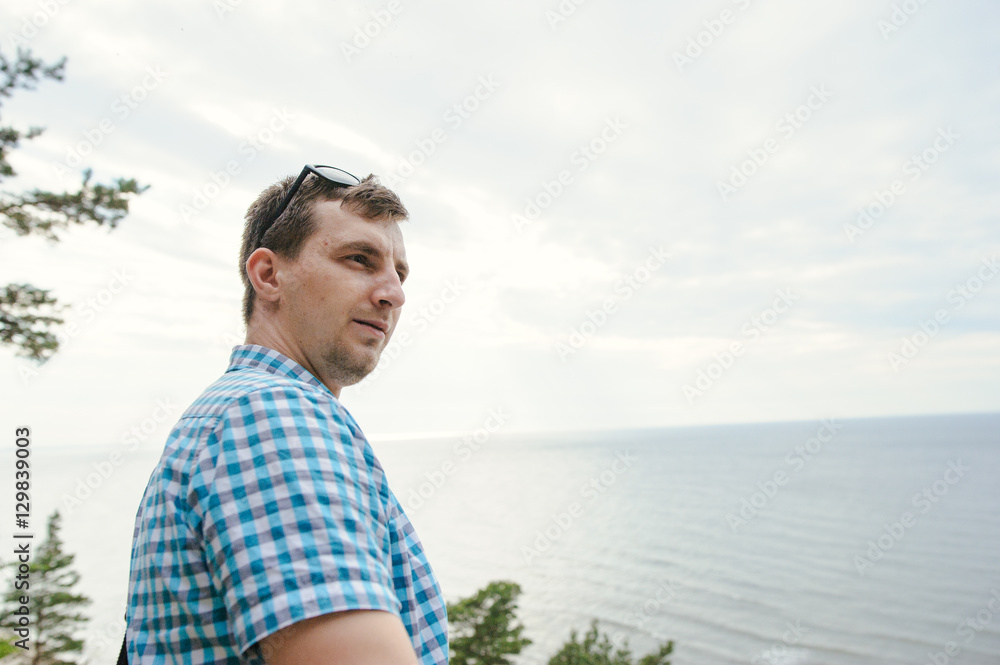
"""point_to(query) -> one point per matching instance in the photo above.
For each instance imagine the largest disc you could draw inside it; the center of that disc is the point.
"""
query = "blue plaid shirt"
(268, 507)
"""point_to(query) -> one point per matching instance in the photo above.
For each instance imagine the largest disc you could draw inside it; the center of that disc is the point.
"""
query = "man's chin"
(349, 369)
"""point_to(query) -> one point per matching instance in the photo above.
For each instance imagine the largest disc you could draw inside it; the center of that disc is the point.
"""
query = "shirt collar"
(269, 360)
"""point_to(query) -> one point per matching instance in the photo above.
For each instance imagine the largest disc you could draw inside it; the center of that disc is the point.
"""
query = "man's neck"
(269, 336)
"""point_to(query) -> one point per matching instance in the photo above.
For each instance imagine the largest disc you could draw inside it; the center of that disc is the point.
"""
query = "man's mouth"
(380, 326)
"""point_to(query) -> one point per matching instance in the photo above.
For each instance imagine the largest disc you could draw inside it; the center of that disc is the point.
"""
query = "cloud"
(591, 122)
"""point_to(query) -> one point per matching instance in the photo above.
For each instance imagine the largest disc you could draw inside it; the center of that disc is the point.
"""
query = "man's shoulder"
(242, 385)
(264, 397)
(249, 409)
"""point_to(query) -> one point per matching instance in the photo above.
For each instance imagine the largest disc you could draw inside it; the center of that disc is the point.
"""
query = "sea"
(828, 542)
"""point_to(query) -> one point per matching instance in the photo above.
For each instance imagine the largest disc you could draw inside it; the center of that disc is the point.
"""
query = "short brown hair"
(286, 236)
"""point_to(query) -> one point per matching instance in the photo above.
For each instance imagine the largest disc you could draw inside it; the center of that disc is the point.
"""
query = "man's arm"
(291, 534)
(356, 637)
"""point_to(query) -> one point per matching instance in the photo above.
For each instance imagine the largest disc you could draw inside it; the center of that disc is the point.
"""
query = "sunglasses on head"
(329, 173)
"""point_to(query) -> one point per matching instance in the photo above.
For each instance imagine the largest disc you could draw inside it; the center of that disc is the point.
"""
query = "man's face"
(341, 297)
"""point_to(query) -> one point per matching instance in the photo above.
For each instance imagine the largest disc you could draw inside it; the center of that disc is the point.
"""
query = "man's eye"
(360, 258)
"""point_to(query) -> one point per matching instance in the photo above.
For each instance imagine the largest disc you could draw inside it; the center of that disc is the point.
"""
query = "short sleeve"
(288, 511)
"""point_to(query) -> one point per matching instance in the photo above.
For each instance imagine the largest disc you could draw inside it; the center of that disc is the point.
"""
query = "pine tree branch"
(27, 319)
(42, 212)
(28, 314)
(24, 72)
(52, 612)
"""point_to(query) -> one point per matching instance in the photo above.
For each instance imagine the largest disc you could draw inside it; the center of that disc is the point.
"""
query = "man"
(267, 533)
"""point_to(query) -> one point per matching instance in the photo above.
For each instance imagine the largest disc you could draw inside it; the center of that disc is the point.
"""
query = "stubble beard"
(347, 368)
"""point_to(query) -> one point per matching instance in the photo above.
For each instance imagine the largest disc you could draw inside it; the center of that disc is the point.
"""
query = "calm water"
(860, 541)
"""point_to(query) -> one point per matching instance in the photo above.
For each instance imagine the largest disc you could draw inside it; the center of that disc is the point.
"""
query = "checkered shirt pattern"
(268, 507)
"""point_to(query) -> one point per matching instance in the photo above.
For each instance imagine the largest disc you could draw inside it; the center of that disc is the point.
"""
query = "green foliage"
(7, 647)
(598, 650)
(24, 72)
(42, 212)
(53, 606)
(484, 629)
(25, 321)
(27, 315)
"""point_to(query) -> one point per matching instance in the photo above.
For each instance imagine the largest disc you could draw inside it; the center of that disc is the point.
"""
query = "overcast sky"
(622, 215)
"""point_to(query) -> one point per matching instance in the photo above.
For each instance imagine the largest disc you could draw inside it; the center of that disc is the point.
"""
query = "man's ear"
(262, 270)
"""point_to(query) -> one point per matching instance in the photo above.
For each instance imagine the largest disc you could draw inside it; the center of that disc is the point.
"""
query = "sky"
(622, 216)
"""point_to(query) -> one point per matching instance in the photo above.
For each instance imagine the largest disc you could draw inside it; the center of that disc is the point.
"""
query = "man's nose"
(389, 292)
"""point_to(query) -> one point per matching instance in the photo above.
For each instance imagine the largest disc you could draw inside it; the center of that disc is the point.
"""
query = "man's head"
(323, 281)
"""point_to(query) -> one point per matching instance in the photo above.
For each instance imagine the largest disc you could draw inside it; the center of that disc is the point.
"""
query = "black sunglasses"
(329, 173)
